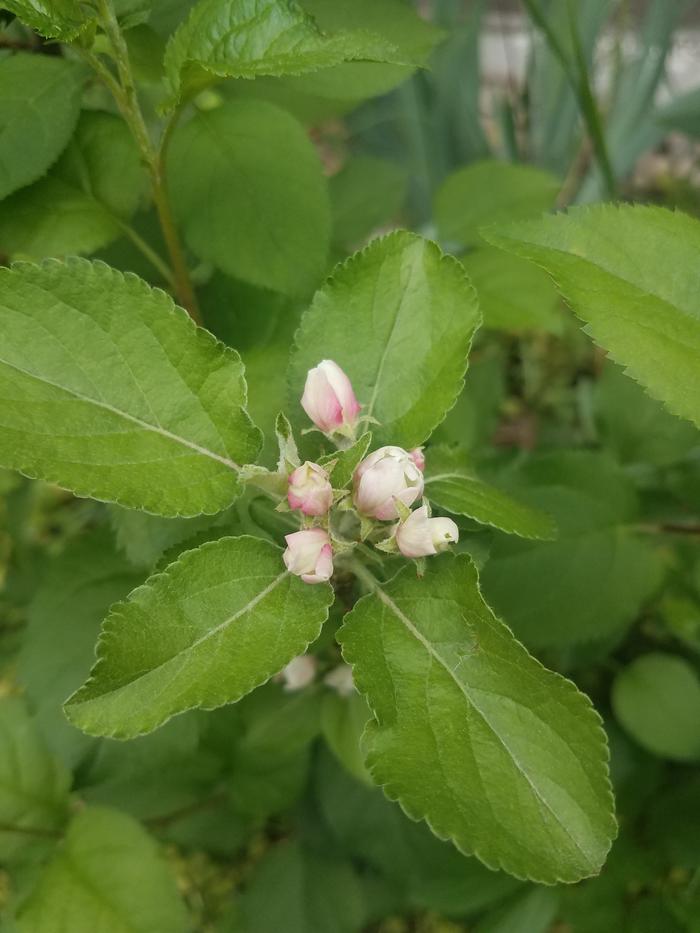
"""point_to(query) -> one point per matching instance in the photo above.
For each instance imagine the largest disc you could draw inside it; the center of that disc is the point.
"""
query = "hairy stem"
(124, 91)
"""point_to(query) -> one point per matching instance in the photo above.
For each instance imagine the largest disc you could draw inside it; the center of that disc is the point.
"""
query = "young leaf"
(657, 699)
(247, 38)
(257, 214)
(413, 314)
(456, 491)
(628, 273)
(39, 106)
(215, 624)
(108, 875)
(114, 393)
(347, 460)
(472, 734)
(33, 784)
(490, 192)
(55, 19)
(81, 205)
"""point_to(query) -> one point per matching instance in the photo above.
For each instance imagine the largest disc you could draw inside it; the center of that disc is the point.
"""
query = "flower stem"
(124, 91)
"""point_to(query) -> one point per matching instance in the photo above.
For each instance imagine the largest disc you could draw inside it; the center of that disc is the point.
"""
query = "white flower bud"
(309, 555)
(299, 673)
(329, 399)
(420, 536)
(310, 489)
(387, 474)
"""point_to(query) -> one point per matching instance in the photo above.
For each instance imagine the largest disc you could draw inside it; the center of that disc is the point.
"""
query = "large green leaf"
(260, 211)
(108, 875)
(450, 485)
(657, 699)
(490, 192)
(33, 784)
(82, 204)
(246, 38)
(472, 734)
(39, 106)
(112, 392)
(591, 582)
(413, 314)
(215, 624)
(56, 19)
(628, 272)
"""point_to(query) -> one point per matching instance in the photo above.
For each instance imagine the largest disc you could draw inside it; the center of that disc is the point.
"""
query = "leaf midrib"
(403, 618)
(156, 429)
(251, 604)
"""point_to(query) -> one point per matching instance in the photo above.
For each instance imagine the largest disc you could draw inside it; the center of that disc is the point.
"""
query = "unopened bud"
(329, 399)
(310, 490)
(418, 458)
(420, 536)
(386, 475)
(309, 555)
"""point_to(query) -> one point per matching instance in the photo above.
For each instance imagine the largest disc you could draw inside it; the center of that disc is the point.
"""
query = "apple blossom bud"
(418, 458)
(328, 398)
(387, 474)
(310, 490)
(420, 536)
(309, 555)
(340, 679)
(299, 673)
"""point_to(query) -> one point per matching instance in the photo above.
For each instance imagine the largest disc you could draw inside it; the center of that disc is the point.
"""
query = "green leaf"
(636, 427)
(366, 193)
(413, 314)
(299, 890)
(513, 294)
(467, 723)
(246, 38)
(81, 205)
(114, 392)
(63, 623)
(682, 113)
(449, 485)
(490, 192)
(39, 106)
(628, 274)
(591, 582)
(534, 911)
(108, 875)
(257, 215)
(346, 461)
(431, 873)
(55, 19)
(343, 720)
(219, 621)
(33, 784)
(269, 760)
(657, 699)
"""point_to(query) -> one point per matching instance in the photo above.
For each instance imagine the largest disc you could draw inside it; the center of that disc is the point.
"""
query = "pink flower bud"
(328, 398)
(299, 673)
(309, 555)
(420, 536)
(418, 458)
(310, 490)
(387, 474)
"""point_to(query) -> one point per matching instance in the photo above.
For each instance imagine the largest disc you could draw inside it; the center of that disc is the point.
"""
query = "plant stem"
(124, 91)
(147, 250)
(579, 81)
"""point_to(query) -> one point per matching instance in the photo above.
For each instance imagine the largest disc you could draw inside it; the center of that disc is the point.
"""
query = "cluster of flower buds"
(385, 486)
